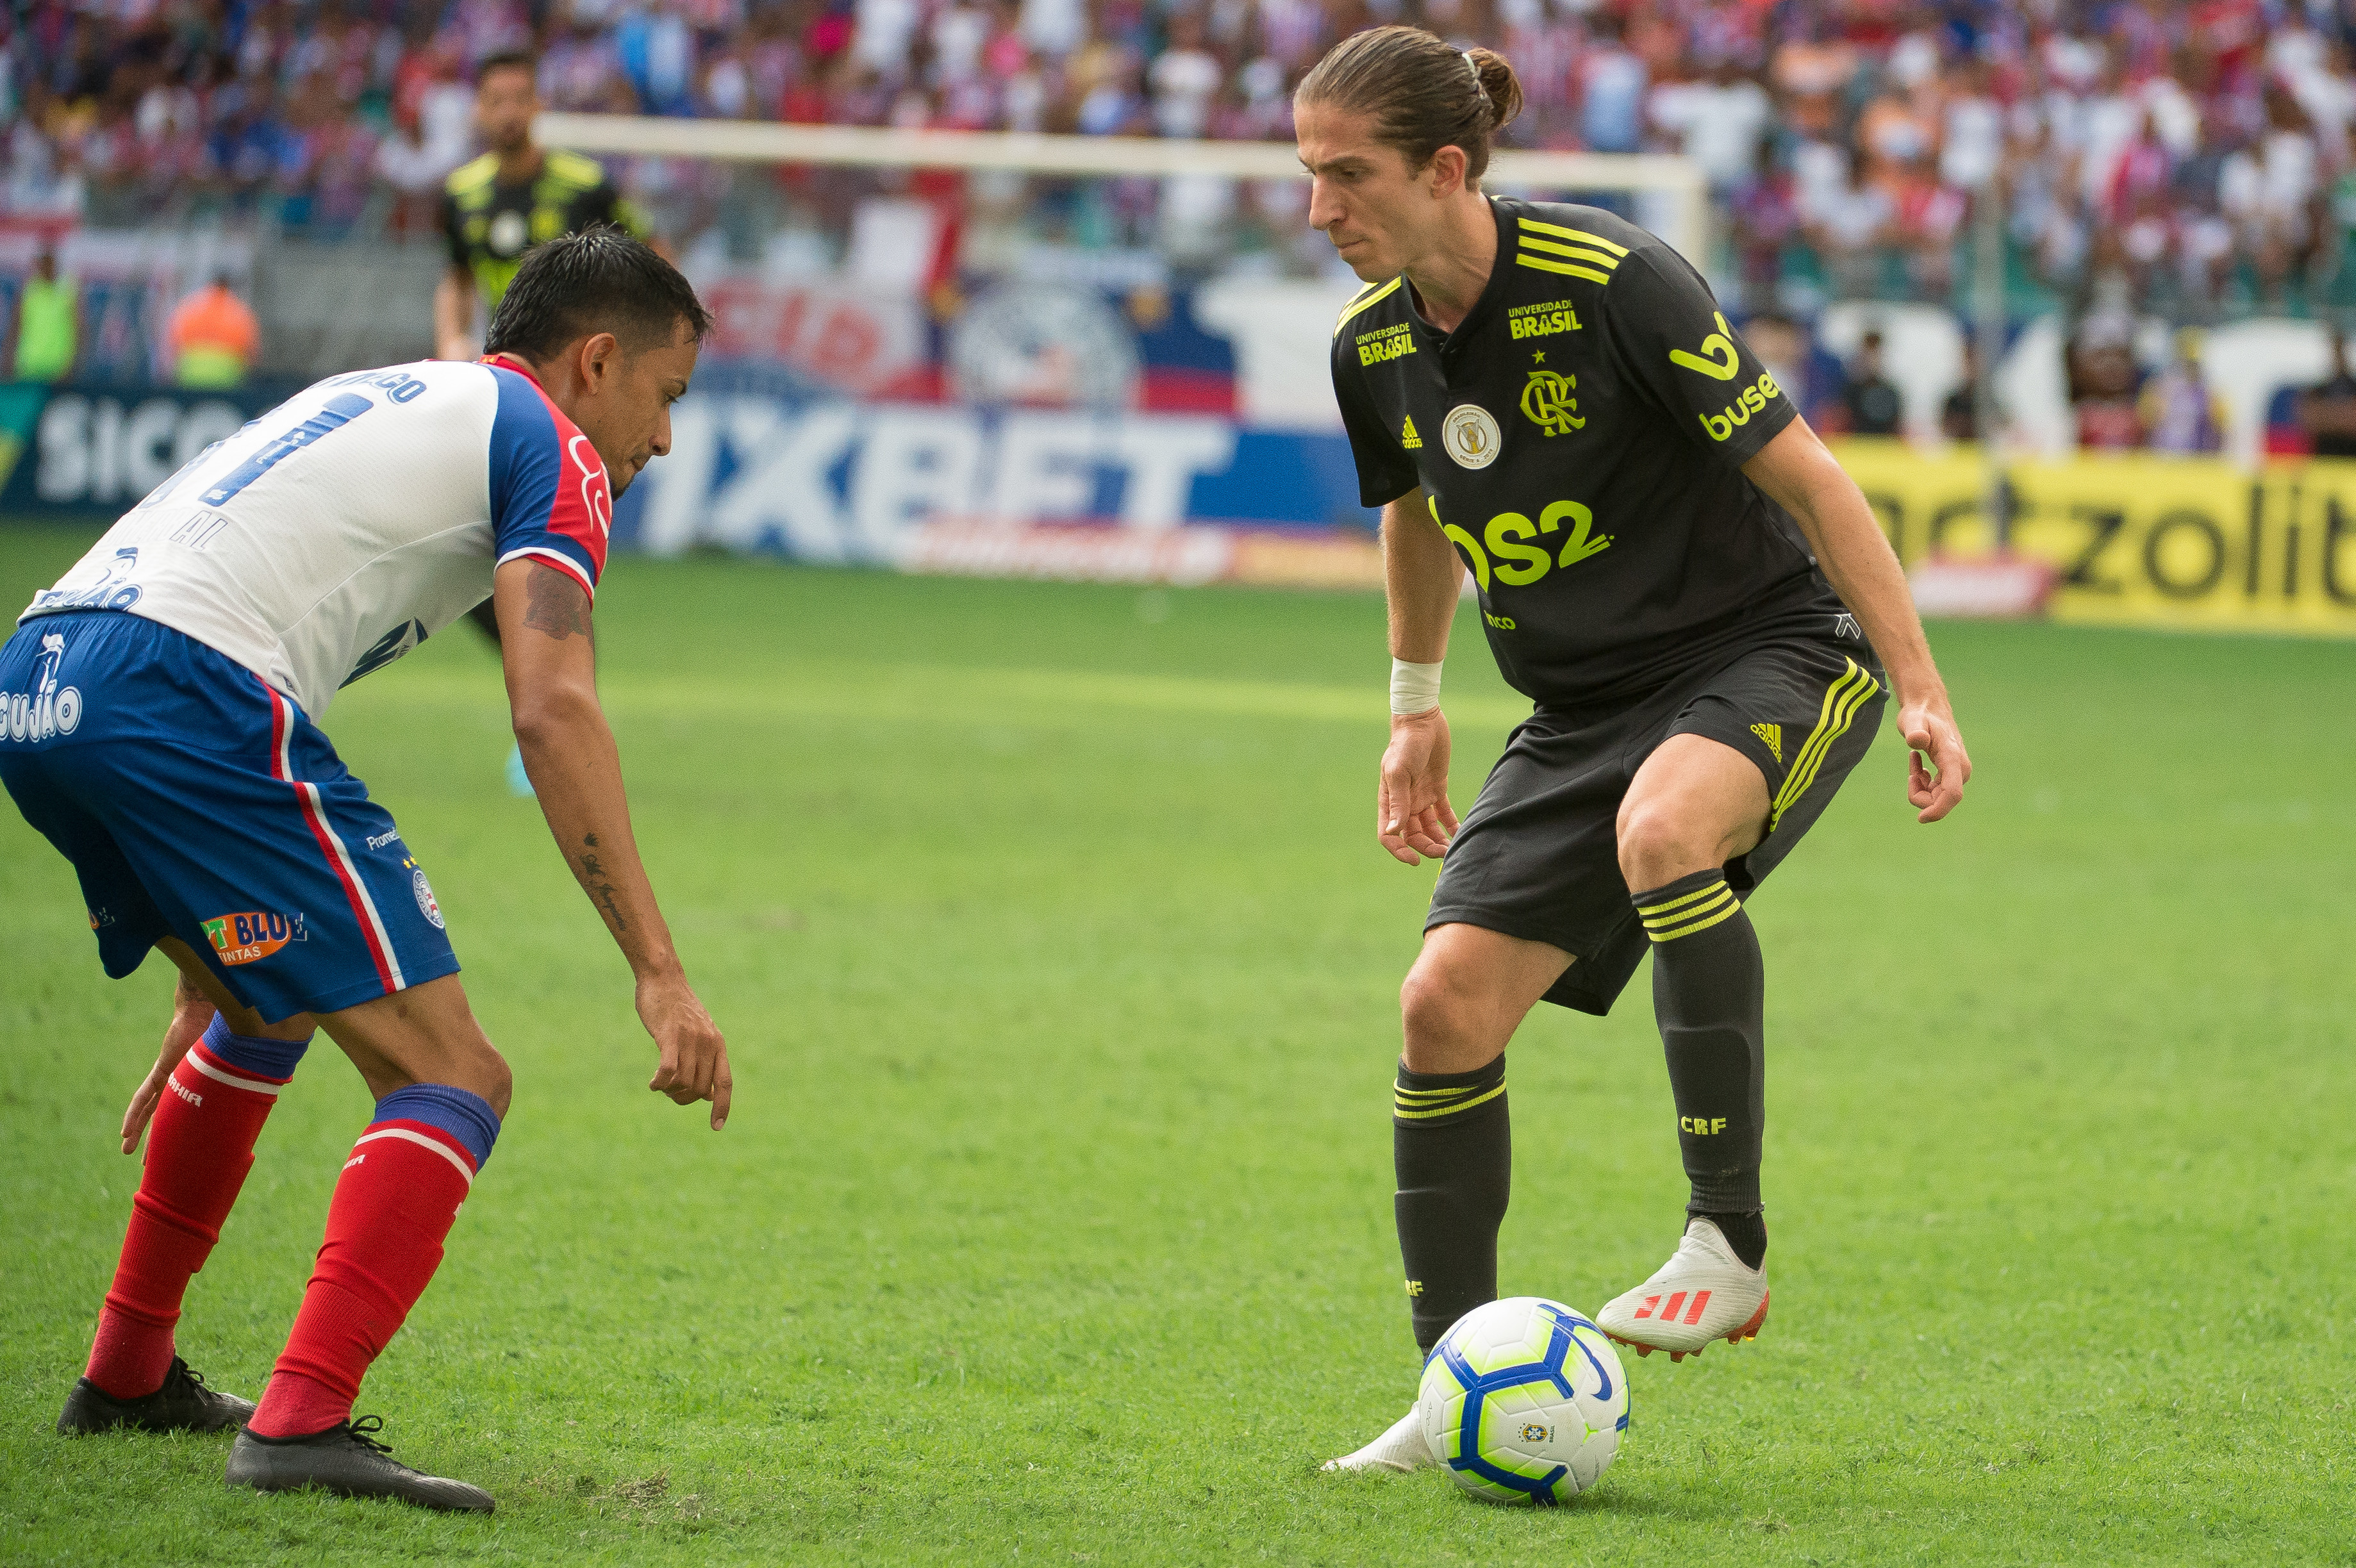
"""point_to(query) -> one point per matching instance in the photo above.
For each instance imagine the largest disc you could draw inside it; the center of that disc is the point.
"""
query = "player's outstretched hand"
(1412, 816)
(1930, 730)
(192, 1014)
(694, 1064)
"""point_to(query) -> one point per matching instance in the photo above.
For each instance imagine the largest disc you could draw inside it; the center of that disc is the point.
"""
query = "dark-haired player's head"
(1394, 126)
(612, 331)
(507, 96)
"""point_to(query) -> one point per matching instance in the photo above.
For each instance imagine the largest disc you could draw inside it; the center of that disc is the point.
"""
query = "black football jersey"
(489, 226)
(1581, 438)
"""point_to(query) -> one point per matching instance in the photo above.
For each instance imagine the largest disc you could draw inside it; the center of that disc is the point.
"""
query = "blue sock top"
(263, 1058)
(465, 1115)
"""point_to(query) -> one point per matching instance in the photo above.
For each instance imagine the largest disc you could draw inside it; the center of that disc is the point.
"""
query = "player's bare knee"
(1657, 848)
(1442, 1018)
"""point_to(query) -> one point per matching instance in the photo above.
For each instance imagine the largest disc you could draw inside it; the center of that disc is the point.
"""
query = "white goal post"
(1679, 178)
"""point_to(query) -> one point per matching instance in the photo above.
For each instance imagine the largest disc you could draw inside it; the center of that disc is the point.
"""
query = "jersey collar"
(1483, 307)
(504, 361)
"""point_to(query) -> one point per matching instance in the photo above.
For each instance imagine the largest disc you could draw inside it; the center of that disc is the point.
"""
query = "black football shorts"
(1538, 855)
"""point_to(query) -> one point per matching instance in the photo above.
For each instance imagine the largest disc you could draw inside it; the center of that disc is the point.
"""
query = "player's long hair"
(1423, 93)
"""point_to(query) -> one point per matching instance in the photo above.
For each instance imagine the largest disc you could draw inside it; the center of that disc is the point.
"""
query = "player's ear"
(600, 356)
(1447, 167)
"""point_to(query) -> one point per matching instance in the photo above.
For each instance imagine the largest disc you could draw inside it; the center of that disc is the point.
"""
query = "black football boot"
(348, 1460)
(182, 1404)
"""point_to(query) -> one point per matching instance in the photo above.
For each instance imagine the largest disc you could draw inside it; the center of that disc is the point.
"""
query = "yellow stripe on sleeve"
(1590, 273)
(1366, 301)
(1581, 235)
(1575, 252)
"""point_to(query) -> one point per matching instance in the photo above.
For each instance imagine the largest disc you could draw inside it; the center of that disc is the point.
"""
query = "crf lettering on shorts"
(243, 937)
(1703, 1124)
(1506, 553)
(1754, 400)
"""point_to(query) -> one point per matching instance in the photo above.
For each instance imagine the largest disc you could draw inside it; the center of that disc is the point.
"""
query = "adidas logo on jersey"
(1773, 735)
(1407, 438)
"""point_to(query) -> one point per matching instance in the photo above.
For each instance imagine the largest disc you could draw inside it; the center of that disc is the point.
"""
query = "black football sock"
(1452, 1147)
(1710, 996)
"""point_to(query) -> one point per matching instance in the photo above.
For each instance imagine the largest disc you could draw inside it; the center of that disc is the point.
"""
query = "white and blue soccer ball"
(1523, 1402)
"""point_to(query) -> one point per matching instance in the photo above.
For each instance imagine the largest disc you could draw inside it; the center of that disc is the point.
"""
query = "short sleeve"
(550, 499)
(1673, 342)
(1384, 474)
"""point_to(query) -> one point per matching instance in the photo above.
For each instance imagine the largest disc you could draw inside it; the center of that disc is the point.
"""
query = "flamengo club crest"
(1471, 435)
(1547, 403)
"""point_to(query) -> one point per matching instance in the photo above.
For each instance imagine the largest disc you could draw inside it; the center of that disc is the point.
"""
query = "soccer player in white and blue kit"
(162, 704)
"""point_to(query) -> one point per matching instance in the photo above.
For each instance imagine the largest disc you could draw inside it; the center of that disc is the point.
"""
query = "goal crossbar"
(868, 146)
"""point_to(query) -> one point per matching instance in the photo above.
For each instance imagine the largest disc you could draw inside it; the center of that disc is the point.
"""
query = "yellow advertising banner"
(2138, 540)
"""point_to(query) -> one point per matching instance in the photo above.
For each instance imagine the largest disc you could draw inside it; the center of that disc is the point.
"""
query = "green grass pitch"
(1054, 1223)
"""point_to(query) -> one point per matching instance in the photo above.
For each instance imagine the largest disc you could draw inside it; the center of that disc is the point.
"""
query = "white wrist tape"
(1415, 687)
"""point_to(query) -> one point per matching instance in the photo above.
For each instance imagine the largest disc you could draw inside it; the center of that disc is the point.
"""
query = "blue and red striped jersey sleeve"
(550, 499)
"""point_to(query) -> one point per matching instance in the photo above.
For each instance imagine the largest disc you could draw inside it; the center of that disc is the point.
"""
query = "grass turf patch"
(1059, 970)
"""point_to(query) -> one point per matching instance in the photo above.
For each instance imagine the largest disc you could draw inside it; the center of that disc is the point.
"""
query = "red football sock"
(395, 1203)
(200, 1146)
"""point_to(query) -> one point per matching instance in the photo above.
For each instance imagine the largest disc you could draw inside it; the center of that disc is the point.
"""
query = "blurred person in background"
(1959, 416)
(2327, 410)
(1870, 398)
(516, 195)
(2179, 410)
(2104, 383)
(45, 333)
(213, 338)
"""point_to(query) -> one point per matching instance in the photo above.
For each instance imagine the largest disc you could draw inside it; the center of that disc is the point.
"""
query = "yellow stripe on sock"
(1434, 1093)
(1581, 235)
(1733, 907)
(1715, 906)
(1405, 1115)
(1648, 911)
(1590, 273)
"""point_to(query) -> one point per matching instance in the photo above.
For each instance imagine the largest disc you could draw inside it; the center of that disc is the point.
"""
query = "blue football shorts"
(197, 802)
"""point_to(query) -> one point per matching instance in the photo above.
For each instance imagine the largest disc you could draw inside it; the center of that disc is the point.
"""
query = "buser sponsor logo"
(1754, 400)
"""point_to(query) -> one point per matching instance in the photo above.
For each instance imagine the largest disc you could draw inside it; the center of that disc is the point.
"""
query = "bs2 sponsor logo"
(1754, 398)
(1506, 552)
(245, 937)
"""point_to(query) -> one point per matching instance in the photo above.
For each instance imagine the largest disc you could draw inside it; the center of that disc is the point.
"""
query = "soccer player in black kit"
(1692, 594)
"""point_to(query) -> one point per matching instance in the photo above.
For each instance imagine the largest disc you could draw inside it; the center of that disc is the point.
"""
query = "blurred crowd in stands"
(2123, 159)
(2195, 157)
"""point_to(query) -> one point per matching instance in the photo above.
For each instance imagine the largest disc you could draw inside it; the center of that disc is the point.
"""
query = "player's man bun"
(1424, 93)
(599, 280)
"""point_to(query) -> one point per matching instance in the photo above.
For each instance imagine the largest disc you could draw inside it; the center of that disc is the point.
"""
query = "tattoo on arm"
(555, 604)
(601, 891)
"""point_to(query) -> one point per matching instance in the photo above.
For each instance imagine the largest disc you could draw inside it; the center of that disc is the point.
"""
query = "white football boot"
(1402, 1449)
(1703, 1293)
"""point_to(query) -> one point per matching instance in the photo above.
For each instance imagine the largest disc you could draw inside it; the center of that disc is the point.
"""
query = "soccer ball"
(1524, 1402)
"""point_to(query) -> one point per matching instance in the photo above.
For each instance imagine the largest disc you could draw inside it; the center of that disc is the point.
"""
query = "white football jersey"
(340, 529)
